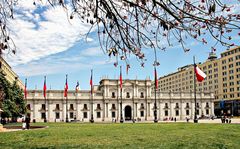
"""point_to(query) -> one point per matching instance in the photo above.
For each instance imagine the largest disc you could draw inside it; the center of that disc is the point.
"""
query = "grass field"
(170, 135)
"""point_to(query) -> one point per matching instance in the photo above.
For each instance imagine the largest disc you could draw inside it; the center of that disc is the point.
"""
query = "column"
(192, 109)
(63, 111)
(212, 107)
(181, 110)
(106, 110)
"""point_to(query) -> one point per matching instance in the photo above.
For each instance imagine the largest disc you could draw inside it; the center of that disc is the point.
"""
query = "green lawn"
(170, 135)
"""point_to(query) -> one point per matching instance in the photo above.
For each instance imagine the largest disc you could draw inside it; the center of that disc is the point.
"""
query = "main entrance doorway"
(128, 113)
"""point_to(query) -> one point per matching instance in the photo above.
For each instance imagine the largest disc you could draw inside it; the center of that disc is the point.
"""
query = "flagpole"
(66, 100)
(45, 118)
(195, 98)
(91, 120)
(155, 92)
(25, 91)
(121, 115)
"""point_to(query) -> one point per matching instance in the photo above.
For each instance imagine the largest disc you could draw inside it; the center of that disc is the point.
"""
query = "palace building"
(138, 100)
(223, 79)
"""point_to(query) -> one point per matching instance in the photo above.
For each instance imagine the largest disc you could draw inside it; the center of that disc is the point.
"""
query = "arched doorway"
(128, 113)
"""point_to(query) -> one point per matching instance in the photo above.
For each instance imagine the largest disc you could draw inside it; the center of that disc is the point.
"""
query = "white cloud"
(92, 52)
(36, 38)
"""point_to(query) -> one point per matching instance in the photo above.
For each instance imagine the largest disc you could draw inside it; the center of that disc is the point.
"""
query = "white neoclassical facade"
(137, 103)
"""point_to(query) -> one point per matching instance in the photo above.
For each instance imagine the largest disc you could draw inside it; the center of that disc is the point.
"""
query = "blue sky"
(48, 44)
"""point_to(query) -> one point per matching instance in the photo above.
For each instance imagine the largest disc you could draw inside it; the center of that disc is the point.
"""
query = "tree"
(12, 100)
(125, 27)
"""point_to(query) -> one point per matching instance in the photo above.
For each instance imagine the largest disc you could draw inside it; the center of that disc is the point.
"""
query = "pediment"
(127, 83)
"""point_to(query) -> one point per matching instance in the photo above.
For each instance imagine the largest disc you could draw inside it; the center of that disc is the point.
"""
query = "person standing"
(27, 122)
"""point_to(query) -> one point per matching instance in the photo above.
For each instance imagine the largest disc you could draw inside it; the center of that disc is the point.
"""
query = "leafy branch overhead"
(125, 27)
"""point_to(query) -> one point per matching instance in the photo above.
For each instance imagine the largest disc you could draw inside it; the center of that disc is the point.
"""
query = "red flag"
(44, 87)
(199, 73)
(66, 88)
(120, 79)
(91, 83)
(25, 89)
(156, 79)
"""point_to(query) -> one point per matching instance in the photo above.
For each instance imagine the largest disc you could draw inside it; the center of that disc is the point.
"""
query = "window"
(177, 106)
(142, 113)
(207, 112)
(224, 79)
(166, 105)
(187, 112)
(224, 67)
(197, 105)
(197, 112)
(71, 114)
(142, 95)
(231, 83)
(57, 115)
(113, 107)
(98, 114)
(237, 57)
(231, 89)
(230, 66)
(223, 61)
(28, 107)
(231, 71)
(231, 77)
(187, 105)
(142, 106)
(98, 106)
(224, 73)
(57, 107)
(113, 114)
(166, 112)
(43, 107)
(177, 113)
(238, 76)
(85, 115)
(85, 107)
(128, 95)
(237, 63)
(231, 95)
(230, 59)
(207, 105)
(113, 95)
(238, 69)
(225, 96)
(71, 107)
(43, 116)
